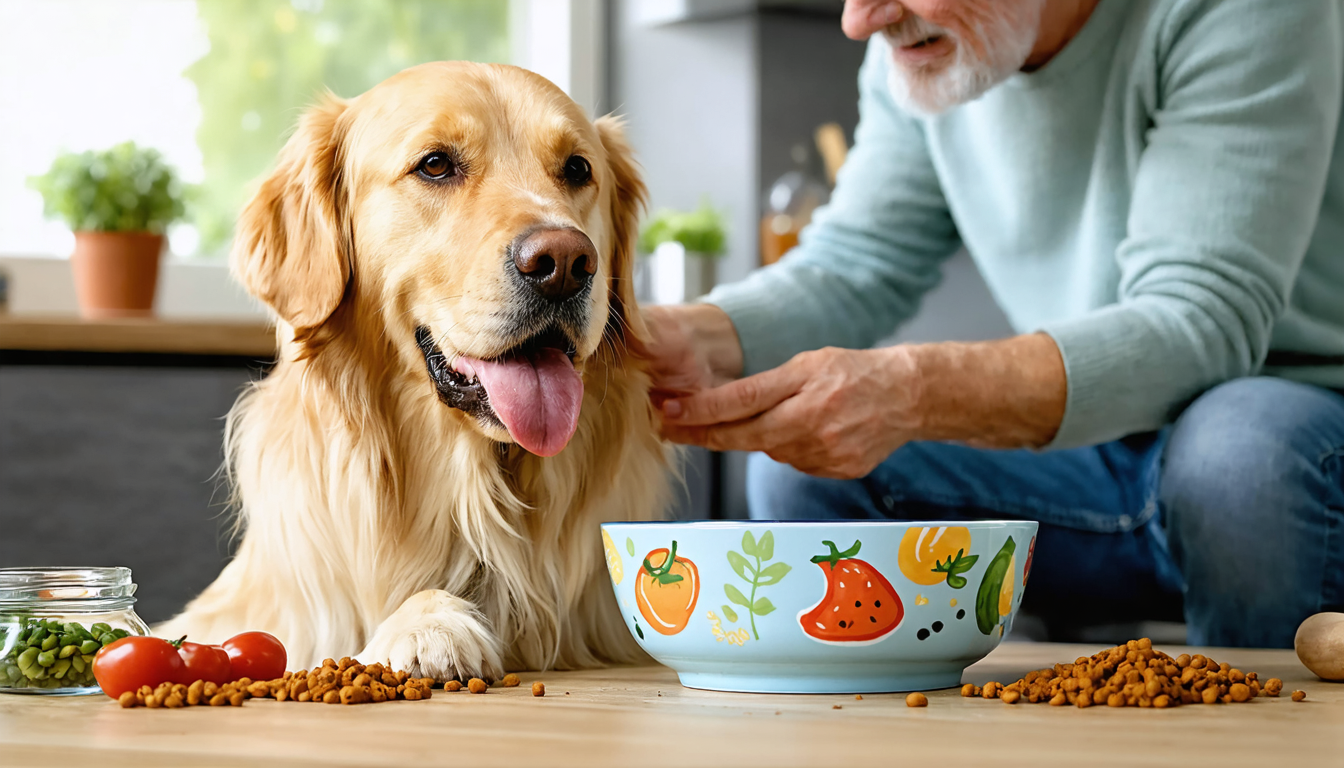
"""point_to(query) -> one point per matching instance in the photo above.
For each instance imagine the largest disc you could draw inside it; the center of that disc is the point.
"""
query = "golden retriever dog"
(456, 402)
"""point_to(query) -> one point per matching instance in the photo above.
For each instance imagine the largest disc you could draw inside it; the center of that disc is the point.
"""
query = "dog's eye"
(437, 166)
(577, 171)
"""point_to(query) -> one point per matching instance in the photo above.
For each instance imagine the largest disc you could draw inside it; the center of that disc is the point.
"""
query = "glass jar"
(53, 621)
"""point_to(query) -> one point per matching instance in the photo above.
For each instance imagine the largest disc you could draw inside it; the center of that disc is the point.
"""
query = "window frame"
(576, 63)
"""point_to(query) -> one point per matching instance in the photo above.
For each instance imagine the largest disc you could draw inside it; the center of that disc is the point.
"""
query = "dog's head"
(481, 216)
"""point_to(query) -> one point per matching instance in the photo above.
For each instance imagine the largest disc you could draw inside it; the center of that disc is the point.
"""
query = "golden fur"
(377, 521)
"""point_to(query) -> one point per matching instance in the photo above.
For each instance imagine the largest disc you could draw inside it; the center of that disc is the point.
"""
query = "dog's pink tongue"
(537, 397)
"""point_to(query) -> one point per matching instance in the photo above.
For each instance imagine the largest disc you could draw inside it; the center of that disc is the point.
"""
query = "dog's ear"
(627, 203)
(291, 246)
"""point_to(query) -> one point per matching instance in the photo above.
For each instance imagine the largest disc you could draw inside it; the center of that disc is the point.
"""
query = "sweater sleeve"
(1244, 106)
(867, 258)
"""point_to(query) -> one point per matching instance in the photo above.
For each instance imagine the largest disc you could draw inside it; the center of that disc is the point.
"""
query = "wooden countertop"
(642, 717)
(154, 335)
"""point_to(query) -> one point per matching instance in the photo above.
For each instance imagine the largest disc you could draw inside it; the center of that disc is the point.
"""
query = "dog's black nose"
(556, 263)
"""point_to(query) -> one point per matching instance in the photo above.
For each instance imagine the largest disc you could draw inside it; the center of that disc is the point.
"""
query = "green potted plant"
(118, 202)
(683, 248)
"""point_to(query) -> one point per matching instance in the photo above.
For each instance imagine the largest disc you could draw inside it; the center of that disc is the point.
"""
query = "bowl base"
(829, 678)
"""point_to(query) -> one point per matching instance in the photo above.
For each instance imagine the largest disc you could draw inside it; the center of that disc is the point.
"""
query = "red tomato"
(204, 662)
(256, 655)
(132, 662)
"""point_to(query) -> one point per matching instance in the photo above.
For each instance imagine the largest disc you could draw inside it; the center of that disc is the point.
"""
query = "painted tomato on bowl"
(859, 606)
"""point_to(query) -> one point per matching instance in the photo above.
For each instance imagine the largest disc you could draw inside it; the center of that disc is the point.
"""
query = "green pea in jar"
(53, 621)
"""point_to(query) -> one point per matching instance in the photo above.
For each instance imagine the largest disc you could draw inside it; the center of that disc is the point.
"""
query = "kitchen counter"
(136, 335)
(641, 716)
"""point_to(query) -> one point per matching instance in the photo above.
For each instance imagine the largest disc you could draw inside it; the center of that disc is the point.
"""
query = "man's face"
(947, 52)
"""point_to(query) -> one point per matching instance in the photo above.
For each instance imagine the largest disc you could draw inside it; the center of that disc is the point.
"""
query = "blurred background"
(110, 426)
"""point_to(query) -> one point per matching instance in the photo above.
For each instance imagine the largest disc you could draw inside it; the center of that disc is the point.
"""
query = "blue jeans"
(1233, 515)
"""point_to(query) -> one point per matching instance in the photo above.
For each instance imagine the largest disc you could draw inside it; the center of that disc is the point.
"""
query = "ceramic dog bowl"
(819, 607)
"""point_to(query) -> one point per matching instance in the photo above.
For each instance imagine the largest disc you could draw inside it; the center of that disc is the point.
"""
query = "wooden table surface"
(155, 335)
(642, 717)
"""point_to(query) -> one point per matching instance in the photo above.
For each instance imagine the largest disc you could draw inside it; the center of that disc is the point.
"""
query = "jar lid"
(37, 585)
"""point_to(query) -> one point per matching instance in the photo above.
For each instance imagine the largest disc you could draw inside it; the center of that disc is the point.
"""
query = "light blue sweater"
(1165, 199)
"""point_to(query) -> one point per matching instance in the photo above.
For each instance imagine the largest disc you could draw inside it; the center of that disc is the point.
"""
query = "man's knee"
(1242, 488)
(1241, 444)
(779, 492)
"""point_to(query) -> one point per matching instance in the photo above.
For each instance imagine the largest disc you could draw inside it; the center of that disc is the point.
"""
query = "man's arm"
(1225, 201)
(868, 257)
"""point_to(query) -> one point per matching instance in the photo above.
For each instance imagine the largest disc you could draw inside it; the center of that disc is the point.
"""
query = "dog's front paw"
(434, 634)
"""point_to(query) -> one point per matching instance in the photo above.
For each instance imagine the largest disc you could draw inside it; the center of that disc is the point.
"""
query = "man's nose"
(555, 263)
(862, 18)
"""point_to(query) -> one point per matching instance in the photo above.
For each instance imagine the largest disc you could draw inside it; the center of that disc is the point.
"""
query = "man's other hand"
(831, 412)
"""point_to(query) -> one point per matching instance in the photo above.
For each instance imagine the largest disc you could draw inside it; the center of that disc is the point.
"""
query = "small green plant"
(701, 231)
(755, 575)
(123, 189)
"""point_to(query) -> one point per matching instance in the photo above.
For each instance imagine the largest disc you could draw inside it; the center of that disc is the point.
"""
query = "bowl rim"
(829, 523)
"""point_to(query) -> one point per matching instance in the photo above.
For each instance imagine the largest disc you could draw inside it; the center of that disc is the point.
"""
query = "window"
(217, 85)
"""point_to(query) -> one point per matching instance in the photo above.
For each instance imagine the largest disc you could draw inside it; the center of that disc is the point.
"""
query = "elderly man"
(1154, 193)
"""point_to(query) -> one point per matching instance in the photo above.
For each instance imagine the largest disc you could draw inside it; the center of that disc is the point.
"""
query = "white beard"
(1007, 36)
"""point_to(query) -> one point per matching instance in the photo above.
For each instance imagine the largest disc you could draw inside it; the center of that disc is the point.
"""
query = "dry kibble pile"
(343, 682)
(175, 696)
(1133, 675)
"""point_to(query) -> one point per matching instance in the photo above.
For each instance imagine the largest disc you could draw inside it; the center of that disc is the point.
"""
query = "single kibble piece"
(127, 699)
(858, 697)
(476, 685)
(1059, 699)
(1239, 692)
(1299, 695)
(968, 690)
(1210, 695)
(1273, 686)
(538, 688)
(511, 681)
(1010, 696)
(913, 700)
(452, 685)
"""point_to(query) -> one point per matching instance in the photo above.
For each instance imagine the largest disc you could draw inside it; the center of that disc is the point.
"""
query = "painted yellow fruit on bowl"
(1006, 591)
(936, 554)
(614, 566)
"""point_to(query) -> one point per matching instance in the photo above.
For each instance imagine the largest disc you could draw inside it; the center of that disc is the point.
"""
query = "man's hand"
(839, 413)
(691, 347)
(831, 413)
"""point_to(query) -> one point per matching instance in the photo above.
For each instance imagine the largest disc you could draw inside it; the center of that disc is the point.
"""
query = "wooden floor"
(641, 717)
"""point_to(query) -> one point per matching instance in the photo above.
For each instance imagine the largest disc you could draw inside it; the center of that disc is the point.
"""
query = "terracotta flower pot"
(116, 273)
